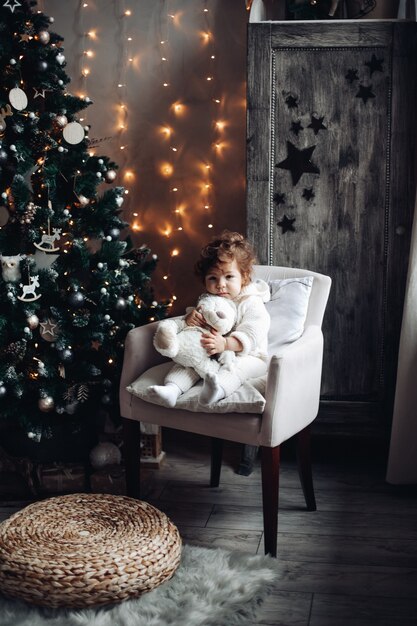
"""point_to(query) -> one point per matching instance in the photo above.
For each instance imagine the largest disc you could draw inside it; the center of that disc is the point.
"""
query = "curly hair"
(228, 246)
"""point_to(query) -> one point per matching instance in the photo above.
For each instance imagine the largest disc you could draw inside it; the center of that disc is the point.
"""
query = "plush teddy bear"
(181, 343)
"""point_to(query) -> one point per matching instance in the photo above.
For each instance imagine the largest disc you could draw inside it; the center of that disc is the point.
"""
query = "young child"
(225, 267)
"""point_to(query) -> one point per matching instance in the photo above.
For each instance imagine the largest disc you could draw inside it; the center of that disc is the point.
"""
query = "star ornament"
(308, 193)
(298, 162)
(39, 93)
(365, 93)
(296, 127)
(48, 331)
(13, 6)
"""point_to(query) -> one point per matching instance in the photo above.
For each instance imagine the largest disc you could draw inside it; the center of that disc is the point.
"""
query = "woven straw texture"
(85, 550)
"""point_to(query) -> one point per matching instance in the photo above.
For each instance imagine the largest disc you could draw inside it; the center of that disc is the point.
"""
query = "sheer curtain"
(402, 460)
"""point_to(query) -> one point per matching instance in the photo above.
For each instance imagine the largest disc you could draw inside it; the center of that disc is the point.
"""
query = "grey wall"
(148, 107)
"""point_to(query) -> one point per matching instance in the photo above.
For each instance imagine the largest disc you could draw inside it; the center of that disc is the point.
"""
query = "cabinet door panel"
(328, 168)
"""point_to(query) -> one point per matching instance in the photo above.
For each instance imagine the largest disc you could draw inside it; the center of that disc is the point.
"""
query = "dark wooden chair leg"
(131, 452)
(270, 458)
(303, 446)
(216, 461)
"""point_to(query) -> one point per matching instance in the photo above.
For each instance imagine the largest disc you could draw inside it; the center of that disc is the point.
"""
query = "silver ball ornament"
(121, 304)
(106, 399)
(3, 391)
(61, 120)
(60, 149)
(76, 299)
(83, 200)
(114, 233)
(46, 404)
(42, 66)
(110, 175)
(100, 161)
(44, 37)
(33, 321)
(105, 453)
(66, 355)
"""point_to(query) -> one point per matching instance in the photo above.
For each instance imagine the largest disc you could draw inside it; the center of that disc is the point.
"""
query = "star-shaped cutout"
(39, 93)
(317, 124)
(48, 328)
(352, 75)
(296, 127)
(291, 102)
(298, 162)
(374, 65)
(287, 224)
(365, 93)
(25, 37)
(308, 194)
(19, 157)
(12, 6)
(95, 344)
(279, 198)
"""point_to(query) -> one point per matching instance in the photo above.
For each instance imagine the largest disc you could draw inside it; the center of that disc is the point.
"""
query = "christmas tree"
(71, 285)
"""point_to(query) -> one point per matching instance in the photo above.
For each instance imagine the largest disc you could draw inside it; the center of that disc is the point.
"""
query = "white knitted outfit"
(251, 329)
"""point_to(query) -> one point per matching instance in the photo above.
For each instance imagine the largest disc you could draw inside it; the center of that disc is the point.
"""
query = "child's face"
(224, 280)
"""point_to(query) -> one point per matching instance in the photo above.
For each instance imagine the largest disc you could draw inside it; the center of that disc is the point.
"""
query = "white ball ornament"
(13, 147)
(12, 61)
(108, 238)
(98, 174)
(60, 58)
(52, 20)
(73, 133)
(103, 290)
(60, 82)
(60, 149)
(100, 161)
(32, 115)
(110, 175)
(4, 195)
(100, 265)
(105, 453)
(107, 317)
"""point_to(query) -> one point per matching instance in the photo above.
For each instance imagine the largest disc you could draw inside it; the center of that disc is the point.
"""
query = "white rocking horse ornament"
(29, 290)
(47, 242)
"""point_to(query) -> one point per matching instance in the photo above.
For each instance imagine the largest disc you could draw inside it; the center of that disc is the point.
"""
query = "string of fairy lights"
(173, 170)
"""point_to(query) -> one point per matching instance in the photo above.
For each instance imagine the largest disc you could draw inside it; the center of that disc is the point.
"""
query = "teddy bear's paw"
(165, 341)
(227, 359)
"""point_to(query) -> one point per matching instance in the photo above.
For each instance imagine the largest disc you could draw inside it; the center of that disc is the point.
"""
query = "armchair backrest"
(319, 292)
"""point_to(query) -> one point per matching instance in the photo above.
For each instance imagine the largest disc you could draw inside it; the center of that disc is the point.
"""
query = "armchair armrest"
(139, 356)
(293, 388)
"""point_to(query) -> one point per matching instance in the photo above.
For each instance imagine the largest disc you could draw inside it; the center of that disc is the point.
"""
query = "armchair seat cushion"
(248, 398)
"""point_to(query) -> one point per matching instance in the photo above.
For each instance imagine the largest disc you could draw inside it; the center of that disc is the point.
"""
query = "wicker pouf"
(85, 550)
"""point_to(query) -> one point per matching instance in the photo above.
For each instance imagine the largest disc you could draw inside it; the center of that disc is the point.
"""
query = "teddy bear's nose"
(221, 315)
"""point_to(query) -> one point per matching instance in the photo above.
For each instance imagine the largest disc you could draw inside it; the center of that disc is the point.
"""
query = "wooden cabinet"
(331, 185)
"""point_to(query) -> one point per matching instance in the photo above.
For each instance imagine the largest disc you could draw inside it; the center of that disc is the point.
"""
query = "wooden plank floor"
(353, 562)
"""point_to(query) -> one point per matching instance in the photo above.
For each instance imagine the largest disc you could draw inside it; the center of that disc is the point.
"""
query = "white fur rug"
(210, 588)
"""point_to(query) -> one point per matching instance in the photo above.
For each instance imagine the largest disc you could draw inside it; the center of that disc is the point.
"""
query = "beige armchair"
(292, 402)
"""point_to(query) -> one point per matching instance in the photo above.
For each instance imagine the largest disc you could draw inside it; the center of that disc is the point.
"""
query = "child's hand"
(213, 342)
(194, 318)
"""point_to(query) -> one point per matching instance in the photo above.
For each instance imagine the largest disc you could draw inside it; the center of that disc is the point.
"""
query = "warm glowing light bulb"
(128, 12)
(209, 225)
(175, 252)
(166, 130)
(86, 71)
(209, 78)
(220, 124)
(89, 53)
(129, 175)
(92, 34)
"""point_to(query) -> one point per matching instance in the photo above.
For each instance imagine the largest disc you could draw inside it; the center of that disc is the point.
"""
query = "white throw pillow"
(288, 310)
